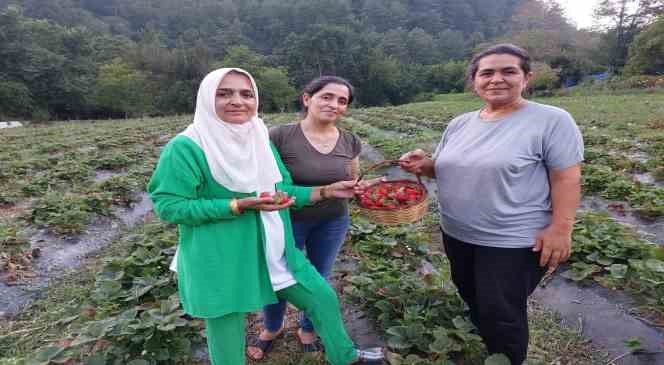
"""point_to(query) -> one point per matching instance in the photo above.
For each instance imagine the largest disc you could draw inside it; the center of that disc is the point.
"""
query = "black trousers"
(496, 283)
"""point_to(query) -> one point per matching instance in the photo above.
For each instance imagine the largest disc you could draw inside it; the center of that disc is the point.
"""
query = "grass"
(552, 343)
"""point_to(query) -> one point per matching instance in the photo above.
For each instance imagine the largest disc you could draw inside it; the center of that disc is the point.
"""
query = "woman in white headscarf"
(236, 251)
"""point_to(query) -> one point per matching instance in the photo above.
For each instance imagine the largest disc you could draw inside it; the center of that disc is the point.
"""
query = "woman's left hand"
(341, 189)
(363, 185)
(555, 245)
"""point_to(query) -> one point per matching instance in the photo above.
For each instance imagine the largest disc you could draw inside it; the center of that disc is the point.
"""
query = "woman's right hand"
(417, 163)
(266, 203)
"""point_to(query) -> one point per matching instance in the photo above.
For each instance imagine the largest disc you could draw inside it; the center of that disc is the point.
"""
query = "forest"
(86, 59)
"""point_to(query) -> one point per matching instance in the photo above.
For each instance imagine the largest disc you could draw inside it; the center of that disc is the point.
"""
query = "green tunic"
(221, 264)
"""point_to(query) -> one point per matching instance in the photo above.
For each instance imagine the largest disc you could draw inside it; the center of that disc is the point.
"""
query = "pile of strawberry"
(391, 195)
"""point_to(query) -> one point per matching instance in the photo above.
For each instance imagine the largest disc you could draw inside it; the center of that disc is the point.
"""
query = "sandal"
(264, 345)
(315, 346)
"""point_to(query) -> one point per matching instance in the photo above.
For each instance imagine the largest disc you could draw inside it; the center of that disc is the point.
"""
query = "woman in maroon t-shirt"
(316, 152)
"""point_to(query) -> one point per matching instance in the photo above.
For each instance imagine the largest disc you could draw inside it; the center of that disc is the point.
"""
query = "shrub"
(545, 78)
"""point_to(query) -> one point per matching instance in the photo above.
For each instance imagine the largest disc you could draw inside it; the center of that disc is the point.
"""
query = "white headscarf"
(239, 155)
(240, 159)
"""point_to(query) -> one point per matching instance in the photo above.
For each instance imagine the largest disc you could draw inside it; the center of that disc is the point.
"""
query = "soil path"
(602, 315)
(61, 255)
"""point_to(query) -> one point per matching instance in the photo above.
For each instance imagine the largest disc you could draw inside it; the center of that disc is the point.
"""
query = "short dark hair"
(318, 83)
(503, 48)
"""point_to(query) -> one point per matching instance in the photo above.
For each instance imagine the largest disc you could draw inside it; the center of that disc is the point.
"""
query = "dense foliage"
(67, 59)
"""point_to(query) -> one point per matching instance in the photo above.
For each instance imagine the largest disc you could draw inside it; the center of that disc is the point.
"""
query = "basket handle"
(384, 163)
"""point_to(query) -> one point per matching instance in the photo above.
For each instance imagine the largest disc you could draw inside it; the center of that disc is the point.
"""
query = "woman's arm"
(555, 241)
(417, 163)
(173, 187)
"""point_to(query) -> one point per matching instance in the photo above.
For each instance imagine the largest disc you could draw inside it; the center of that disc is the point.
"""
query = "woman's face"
(499, 79)
(235, 101)
(328, 104)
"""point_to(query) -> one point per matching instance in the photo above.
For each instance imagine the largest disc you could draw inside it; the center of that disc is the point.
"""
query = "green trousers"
(226, 334)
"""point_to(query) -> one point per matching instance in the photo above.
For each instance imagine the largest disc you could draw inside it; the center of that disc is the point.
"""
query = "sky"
(579, 11)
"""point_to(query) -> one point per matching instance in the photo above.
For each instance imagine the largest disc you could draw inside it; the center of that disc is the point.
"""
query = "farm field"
(68, 183)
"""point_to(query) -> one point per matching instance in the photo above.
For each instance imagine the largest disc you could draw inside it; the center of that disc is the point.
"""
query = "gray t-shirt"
(308, 167)
(493, 184)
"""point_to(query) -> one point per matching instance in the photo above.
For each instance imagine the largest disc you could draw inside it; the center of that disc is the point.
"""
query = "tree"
(53, 62)
(322, 50)
(15, 100)
(243, 57)
(274, 88)
(384, 15)
(379, 83)
(623, 20)
(448, 77)
(646, 53)
(121, 89)
(452, 45)
(544, 78)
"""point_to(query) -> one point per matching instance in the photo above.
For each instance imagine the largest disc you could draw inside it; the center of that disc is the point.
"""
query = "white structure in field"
(12, 124)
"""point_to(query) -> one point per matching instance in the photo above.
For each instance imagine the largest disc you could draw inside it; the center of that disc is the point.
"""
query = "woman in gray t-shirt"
(508, 180)
(316, 153)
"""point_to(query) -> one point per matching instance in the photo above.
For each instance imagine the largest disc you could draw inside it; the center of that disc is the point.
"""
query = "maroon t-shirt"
(309, 167)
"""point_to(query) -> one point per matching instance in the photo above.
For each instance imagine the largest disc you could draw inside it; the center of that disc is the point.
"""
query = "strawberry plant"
(122, 189)
(68, 214)
(113, 161)
(403, 284)
(134, 314)
(614, 256)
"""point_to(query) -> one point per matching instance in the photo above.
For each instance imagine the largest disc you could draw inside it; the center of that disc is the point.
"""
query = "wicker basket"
(399, 215)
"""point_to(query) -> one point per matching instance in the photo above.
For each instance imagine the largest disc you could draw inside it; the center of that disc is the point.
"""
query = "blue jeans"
(323, 240)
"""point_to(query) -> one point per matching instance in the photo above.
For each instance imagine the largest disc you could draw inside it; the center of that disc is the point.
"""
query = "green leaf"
(462, 324)
(95, 360)
(83, 339)
(655, 265)
(497, 359)
(634, 344)
(138, 362)
(360, 280)
(604, 261)
(49, 353)
(442, 345)
(398, 343)
(397, 331)
(575, 275)
(389, 241)
(618, 271)
(67, 320)
(143, 285)
(636, 264)
(657, 252)
(593, 257)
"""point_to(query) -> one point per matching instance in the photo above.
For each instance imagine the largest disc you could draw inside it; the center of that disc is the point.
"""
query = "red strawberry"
(280, 197)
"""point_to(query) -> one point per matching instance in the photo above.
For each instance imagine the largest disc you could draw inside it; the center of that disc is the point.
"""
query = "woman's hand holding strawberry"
(267, 202)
